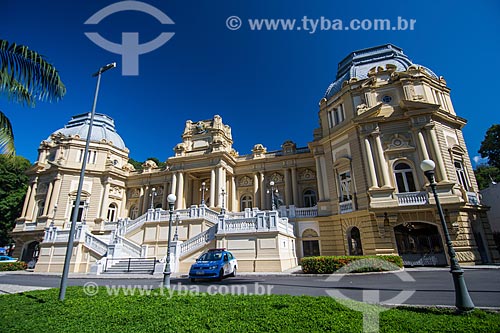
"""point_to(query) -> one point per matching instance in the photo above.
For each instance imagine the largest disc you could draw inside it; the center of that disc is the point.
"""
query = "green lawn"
(41, 311)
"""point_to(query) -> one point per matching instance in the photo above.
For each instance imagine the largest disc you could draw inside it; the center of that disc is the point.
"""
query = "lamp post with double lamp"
(203, 189)
(273, 204)
(177, 221)
(463, 302)
(153, 195)
(167, 272)
(69, 248)
(223, 194)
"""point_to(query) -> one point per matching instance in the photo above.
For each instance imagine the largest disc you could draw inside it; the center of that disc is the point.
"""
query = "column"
(256, 197)
(288, 190)
(173, 186)
(262, 187)
(141, 201)
(104, 206)
(423, 147)
(319, 179)
(234, 202)
(326, 189)
(219, 185)
(383, 164)
(180, 191)
(440, 170)
(56, 189)
(212, 188)
(31, 204)
(27, 200)
(371, 166)
(145, 199)
(164, 202)
(295, 192)
(48, 198)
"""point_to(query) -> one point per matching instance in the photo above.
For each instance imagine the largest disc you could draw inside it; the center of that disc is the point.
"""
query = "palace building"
(356, 189)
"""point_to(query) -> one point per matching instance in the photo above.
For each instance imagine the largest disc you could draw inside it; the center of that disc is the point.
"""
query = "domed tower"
(380, 117)
(54, 178)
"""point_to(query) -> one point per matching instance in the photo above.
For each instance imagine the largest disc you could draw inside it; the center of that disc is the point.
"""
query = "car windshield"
(210, 256)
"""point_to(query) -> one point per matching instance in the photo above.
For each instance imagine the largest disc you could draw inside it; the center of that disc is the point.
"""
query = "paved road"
(431, 287)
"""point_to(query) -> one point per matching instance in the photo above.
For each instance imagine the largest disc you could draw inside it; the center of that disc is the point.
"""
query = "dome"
(102, 129)
(358, 64)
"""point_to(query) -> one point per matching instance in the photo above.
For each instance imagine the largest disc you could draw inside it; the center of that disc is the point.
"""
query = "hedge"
(350, 264)
(13, 266)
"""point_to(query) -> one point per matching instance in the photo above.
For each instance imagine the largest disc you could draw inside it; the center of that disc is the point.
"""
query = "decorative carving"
(245, 181)
(276, 177)
(128, 167)
(289, 147)
(307, 174)
(259, 150)
(115, 191)
(135, 192)
(399, 141)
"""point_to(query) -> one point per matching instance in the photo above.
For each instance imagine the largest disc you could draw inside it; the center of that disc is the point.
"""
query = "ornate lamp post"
(203, 189)
(153, 194)
(223, 194)
(167, 272)
(463, 302)
(177, 221)
(69, 248)
(273, 203)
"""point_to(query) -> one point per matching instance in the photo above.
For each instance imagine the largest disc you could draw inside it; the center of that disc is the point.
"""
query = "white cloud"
(478, 160)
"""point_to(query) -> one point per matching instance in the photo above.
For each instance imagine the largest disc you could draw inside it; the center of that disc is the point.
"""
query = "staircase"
(130, 265)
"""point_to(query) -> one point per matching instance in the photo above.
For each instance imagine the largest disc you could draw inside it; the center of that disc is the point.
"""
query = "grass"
(41, 311)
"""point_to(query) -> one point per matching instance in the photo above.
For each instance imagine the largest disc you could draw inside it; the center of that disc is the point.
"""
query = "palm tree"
(25, 76)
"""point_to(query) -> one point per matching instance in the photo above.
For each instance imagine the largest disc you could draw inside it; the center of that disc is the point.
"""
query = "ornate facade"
(356, 189)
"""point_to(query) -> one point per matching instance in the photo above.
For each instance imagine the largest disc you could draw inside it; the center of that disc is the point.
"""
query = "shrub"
(13, 266)
(350, 264)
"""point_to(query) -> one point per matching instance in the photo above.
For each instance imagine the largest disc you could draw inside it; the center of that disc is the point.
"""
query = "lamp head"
(153, 189)
(203, 184)
(171, 198)
(271, 183)
(427, 165)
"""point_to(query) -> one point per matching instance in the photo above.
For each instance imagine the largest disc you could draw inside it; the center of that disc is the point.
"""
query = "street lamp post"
(153, 195)
(273, 204)
(177, 218)
(69, 248)
(223, 194)
(167, 272)
(463, 302)
(203, 189)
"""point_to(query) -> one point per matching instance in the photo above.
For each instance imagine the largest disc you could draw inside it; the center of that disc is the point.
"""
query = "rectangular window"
(80, 211)
(461, 176)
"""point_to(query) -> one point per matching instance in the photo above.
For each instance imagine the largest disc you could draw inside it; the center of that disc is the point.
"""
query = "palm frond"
(6, 136)
(25, 75)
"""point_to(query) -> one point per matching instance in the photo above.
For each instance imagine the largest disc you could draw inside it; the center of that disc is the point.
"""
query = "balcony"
(346, 207)
(412, 198)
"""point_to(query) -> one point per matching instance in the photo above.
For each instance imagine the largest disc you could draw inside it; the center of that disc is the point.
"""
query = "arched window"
(404, 178)
(309, 198)
(461, 175)
(134, 212)
(112, 212)
(354, 242)
(246, 202)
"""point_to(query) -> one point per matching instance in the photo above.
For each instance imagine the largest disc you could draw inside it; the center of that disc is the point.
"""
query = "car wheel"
(234, 272)
(221, 274)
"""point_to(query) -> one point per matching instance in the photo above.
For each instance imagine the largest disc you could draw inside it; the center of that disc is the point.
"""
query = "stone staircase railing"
(412, 198)
(95, 244)
(198, 241)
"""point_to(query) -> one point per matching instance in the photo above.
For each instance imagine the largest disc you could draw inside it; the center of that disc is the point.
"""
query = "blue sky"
(265, 84)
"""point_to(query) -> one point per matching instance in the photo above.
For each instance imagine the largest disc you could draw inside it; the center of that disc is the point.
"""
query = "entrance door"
(419, 244)
(311, 248)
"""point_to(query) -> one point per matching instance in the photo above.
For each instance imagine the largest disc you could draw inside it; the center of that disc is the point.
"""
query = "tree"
(485, 174)
(490, 147)
(25, 76)
(13, 186)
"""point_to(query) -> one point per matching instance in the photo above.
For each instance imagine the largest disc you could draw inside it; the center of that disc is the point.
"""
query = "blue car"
(214, 264)
(5, 259)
